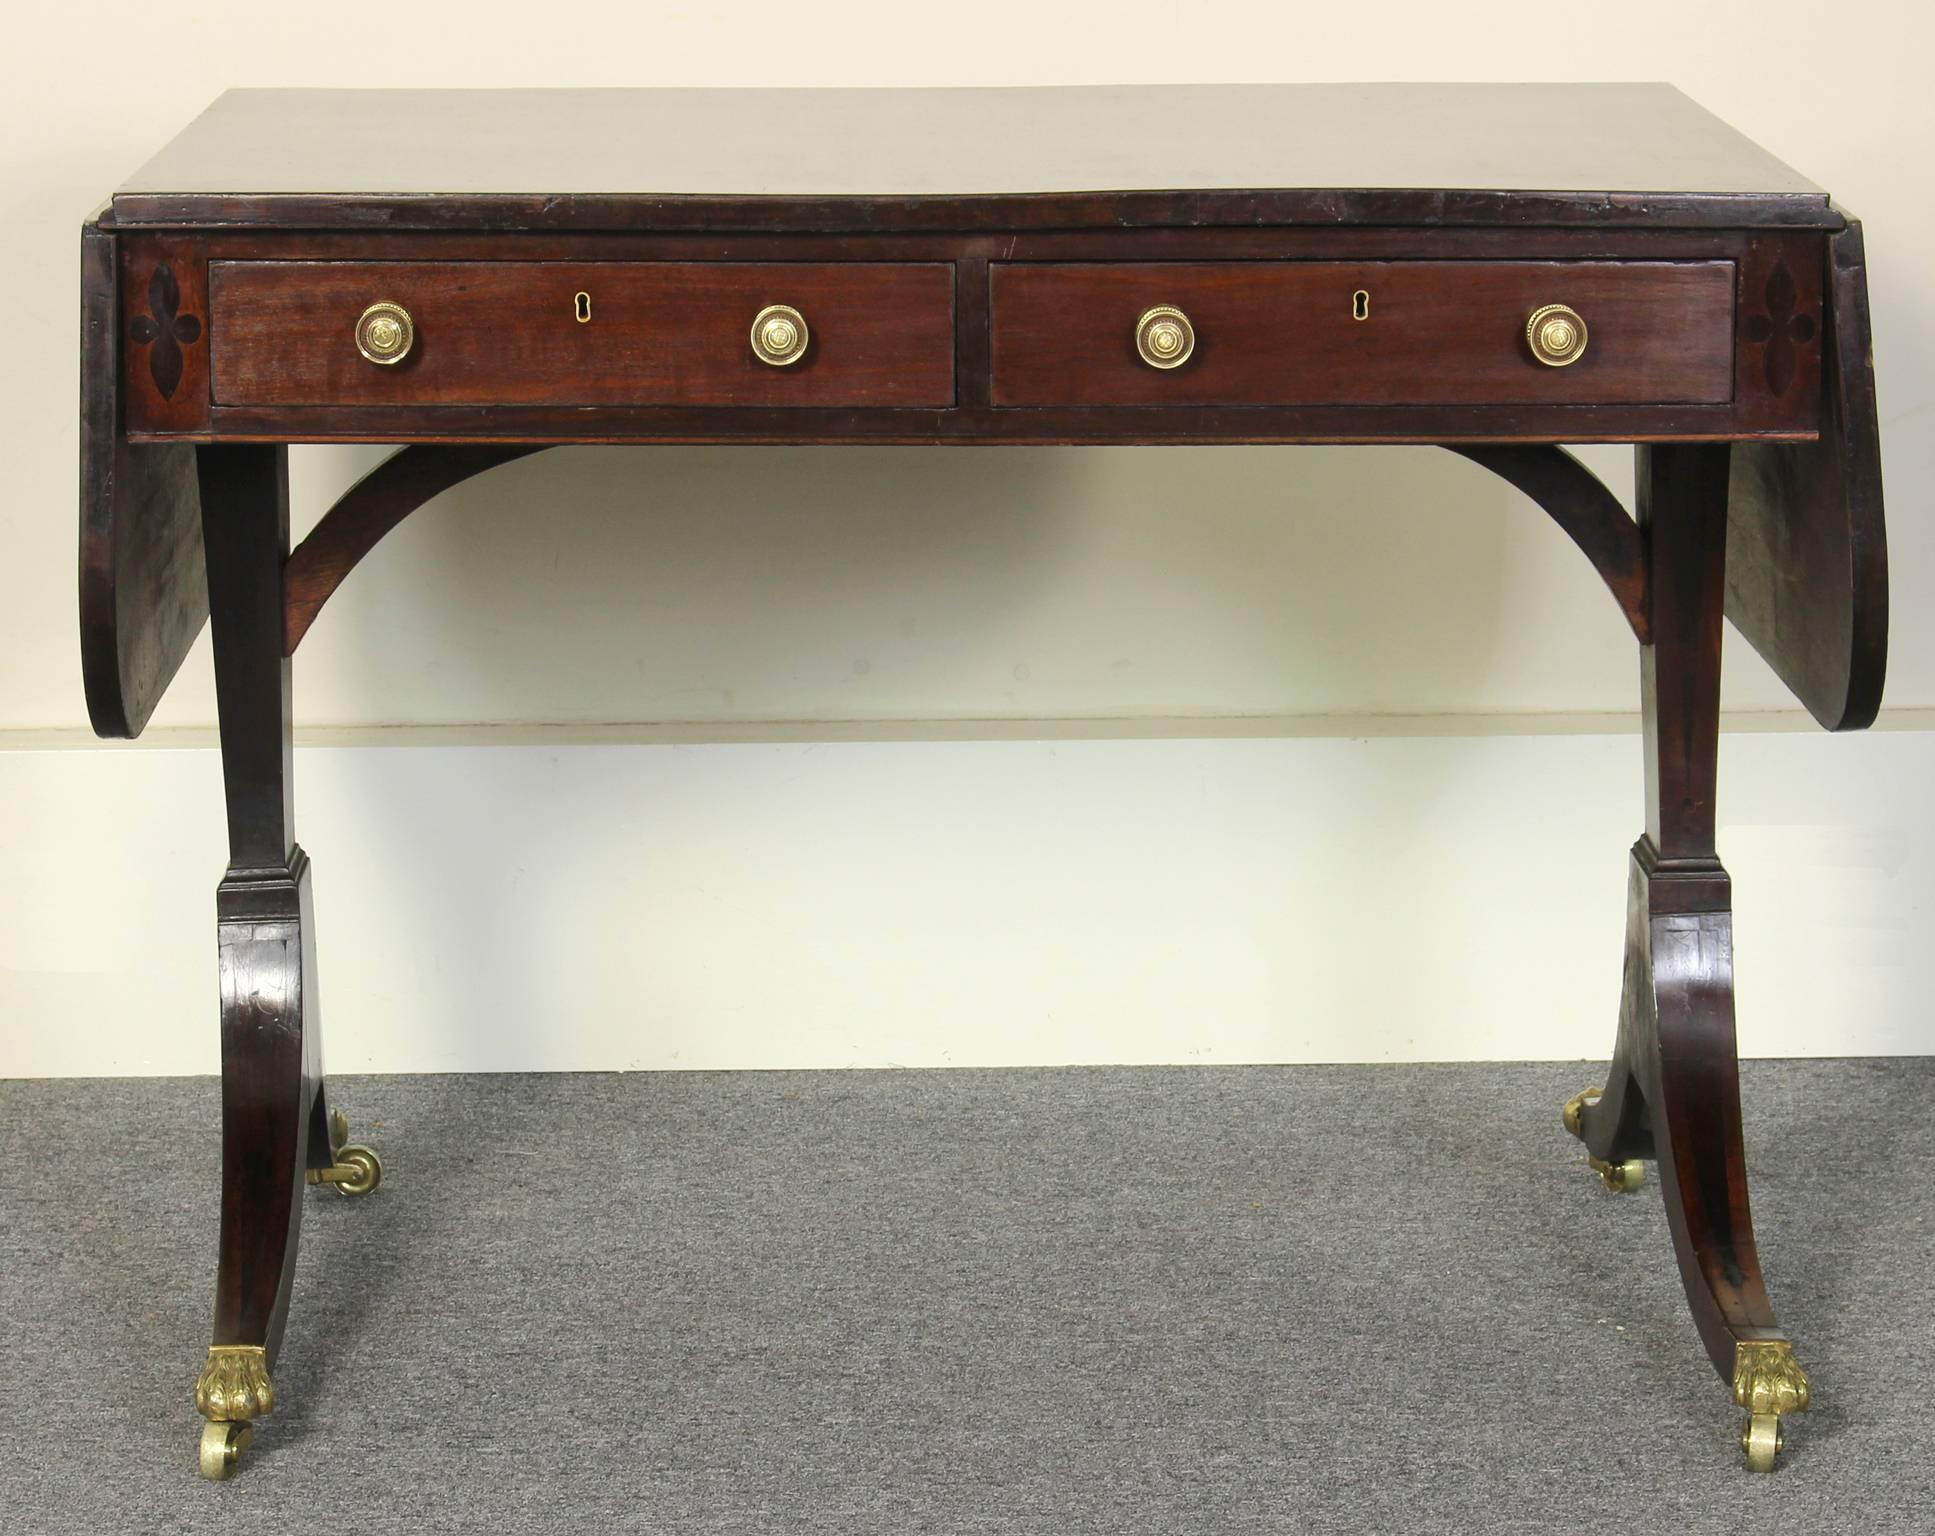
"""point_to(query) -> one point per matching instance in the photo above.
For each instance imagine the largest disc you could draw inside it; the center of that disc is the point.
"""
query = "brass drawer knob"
(385, 333)
(779, 335)
(1556, 335)
(1164, 337)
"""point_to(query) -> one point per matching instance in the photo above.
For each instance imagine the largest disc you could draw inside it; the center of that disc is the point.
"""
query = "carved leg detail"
(270, 1084)
(1678, 1025)
(1674, 1088)
(1768, 1382)
(271, 1052)
(234, 1384)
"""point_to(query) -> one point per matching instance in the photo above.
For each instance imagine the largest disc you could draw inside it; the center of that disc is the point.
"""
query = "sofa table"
(477, 275)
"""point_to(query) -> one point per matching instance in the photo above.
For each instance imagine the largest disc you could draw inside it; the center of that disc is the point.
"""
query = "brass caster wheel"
(1620, 1178)
(357, 1170)
(222, 1448)
(1762, 1441)
(1768, 1382)
(1574, 1109)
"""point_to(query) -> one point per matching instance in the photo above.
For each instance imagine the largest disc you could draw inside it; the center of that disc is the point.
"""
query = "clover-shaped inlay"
(1780, 330)
(164, 330)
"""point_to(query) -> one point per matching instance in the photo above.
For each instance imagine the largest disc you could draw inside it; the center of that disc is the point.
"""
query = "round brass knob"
(1164, 337)
(779, 335)
(385, 333)
(1556, 335)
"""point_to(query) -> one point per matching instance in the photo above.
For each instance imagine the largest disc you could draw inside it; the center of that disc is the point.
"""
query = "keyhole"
(1360, 305)
(582, 307)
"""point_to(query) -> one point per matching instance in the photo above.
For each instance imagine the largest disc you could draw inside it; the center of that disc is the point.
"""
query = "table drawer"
(1362, 333)
(580, 333)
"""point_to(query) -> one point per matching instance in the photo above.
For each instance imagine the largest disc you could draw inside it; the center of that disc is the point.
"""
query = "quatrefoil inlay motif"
(1781, 330)
(164, 330)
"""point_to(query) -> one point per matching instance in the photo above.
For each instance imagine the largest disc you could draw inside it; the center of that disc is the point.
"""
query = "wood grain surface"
(1286, 333)
(143, 586)
(1009, 158)
(508, 333)
(1807, 541)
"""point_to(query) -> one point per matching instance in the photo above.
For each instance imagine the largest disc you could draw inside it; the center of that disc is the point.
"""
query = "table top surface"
(253, 149)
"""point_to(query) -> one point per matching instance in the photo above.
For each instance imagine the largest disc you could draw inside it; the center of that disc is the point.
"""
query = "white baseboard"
(1133, 896)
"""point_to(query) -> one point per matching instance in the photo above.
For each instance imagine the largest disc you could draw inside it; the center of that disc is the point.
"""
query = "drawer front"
(643, 333)
(1430, 333)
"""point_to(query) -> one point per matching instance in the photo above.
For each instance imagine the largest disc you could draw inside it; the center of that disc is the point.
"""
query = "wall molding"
(1218, 727)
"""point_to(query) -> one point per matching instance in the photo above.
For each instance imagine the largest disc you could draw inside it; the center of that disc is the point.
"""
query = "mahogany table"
(476, 275)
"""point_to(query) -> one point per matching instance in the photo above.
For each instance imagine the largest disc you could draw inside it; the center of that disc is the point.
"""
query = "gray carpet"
(1164, 1301)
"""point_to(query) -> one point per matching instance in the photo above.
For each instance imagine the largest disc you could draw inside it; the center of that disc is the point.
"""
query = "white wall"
(936, 886)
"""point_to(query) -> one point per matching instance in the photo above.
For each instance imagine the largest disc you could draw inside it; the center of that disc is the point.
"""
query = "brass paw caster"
(1575, 1108)
(1768, 1382)
(356, 1170)
(233, 1388)
(222, 1448)
(1762, 1441)
(1620, 1178)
